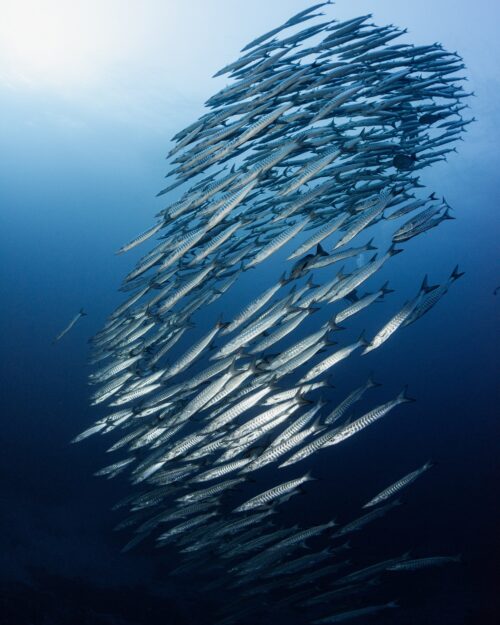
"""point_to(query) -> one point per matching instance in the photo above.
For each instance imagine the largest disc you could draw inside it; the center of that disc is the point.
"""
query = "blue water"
(71, 194)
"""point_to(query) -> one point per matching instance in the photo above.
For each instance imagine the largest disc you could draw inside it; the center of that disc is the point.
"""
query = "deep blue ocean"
(70, 195)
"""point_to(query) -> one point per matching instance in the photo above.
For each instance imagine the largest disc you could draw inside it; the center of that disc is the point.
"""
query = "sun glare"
(48, 42)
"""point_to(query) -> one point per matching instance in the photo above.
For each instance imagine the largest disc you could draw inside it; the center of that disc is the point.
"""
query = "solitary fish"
(78, 316)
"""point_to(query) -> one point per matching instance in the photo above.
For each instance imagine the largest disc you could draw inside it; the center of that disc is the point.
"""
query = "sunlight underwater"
(214, 373)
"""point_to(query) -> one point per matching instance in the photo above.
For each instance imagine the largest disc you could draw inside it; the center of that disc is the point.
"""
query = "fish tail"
(371, 382)
(320, 250)
(363, 340)
(370, 246)
(385, 289)
(455, 274)
(403, 397)
(393, 251)
(425, 288)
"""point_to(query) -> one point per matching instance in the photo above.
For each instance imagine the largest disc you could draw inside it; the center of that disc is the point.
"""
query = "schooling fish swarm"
(318, 137)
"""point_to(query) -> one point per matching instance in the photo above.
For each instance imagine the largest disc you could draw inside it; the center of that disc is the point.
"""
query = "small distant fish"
(397, 486)
(78, 316)
(422, 563)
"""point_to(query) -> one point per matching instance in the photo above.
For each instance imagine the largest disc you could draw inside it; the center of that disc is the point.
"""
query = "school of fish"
(315, 142)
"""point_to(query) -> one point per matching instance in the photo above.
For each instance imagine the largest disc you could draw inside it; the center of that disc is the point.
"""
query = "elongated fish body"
(393, 489)
(233, 383)
(185, 526)
(318, 573)
(367, 419)
(192, 353)
(170, 302)
(407, 208)
(277, 243)
(427, 225)
(78, 316)
(351, 614)
(398, 319)
(182, 447)
(133, 394)
(417, 221)
(236, 410)
(130, 302)
(185, 511)
(233, 200)
(166, 347)
(240, 445)
(331, 360)
(215, 243)
(431, 299)
(128, 438)
(283, 330)
(361, 304)
(142, 329)
(267, 163)
(149, 437)
(263, 418)
(210, 190)
(253, 307)
(277, 492)
(210, 447)
(297, 348)
(141, 238)
(299, 538)
(298, 564)
(273, 452)
(310, 448)
(233, 527)
(145, 380)
(252, 331)
(144, 265)
(310, 170)
(423, 563)
(302, 200)
(212, 491)
(183, 247)
(339, 411)
(255, 384)
(203, 398)
(111, 388)
(220, 470)
(296, 19)
(322, 233)
(254, 545)
(323, 261)
(329, 107)
(367, 217)
(358, 524)
(361, 275)
(369, 571)
(262, 123)
(300, 359)
(166, 436)
(115, 467)
(298, 424)
(113, 369)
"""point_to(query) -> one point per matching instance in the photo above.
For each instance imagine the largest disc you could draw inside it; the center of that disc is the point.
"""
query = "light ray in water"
(318, 138)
